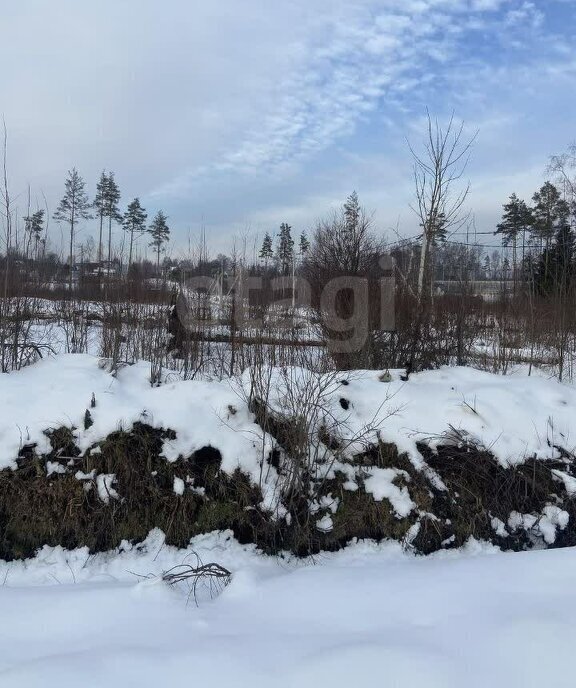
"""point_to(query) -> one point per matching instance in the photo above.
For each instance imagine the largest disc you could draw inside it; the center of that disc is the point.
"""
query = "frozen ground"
(369, 615)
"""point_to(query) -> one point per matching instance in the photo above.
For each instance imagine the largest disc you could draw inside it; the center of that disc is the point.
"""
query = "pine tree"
(34, 226)
(550, 212)
(134, 222)
(285, 249)
(73, 208)
(111, 209)
(516, 221)
(159, 233)
(99, 205)
(266, 252)
(304, 244)
(555, 271)
(352, 212)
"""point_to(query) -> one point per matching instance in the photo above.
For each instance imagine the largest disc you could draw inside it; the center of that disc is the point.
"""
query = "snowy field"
(368, 615)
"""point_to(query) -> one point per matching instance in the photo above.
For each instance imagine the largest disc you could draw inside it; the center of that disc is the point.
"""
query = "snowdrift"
(285, 458)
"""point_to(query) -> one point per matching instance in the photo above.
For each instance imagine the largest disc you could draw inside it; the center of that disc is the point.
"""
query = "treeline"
(76, 207)
(542, 238)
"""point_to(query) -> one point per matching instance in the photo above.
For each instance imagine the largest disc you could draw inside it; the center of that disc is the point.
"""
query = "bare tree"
(439, 199)
(563, 167)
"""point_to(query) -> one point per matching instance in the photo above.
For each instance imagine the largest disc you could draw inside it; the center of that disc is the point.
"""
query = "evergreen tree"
(304, 244)
(34, 226)
(111, 208)
(134, 222)
(352, 212)
(100, 206)
(516, 221)
(266, 252)
(555, 270)
(73, 208)
(550, 211)
(159, 234)
(285, 249)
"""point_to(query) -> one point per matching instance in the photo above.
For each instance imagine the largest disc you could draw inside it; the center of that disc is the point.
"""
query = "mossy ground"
(37, 509)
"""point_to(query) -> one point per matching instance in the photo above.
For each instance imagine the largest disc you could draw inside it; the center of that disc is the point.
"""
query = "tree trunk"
(109, 241)
(71, 258)
(130, 251)
(100, 240)
(422, 268)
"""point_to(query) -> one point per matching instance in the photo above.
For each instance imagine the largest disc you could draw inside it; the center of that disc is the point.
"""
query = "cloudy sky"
(242, 114)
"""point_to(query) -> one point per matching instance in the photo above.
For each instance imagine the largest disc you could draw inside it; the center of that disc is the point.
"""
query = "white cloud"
(236, 110)
(352, 58)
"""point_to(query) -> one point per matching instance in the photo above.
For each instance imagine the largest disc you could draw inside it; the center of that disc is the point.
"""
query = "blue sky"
(243, 115)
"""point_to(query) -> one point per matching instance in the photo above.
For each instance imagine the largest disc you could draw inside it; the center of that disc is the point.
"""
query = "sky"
(238, 116)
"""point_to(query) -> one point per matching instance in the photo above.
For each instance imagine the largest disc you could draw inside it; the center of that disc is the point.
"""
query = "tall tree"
(100, 206)
(352, 212)
(555, 271)
(134, 222)
(437, 172)
(112, 211)
(266, 252)
(439, 204)
(285, 249)
(34, 226)
(550, 211)
(159, 234)
(304, 246)
(516, 221)
(73, 208)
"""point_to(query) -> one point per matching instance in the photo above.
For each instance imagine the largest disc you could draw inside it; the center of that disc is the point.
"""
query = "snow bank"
(355, 489)
(57, 392)
(515, 417)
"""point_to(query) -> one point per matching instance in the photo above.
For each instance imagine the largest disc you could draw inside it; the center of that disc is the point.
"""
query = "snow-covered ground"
(515, 416)
(369, 615)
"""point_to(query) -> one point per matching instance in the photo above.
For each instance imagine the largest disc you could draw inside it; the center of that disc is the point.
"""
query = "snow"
(513, 416)
(381, 486)
(546, 524)
(368, 614)
(178, 486)
(325, 524)
(104, 485)
(54, 467)
(568, 480)
(57, 391)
